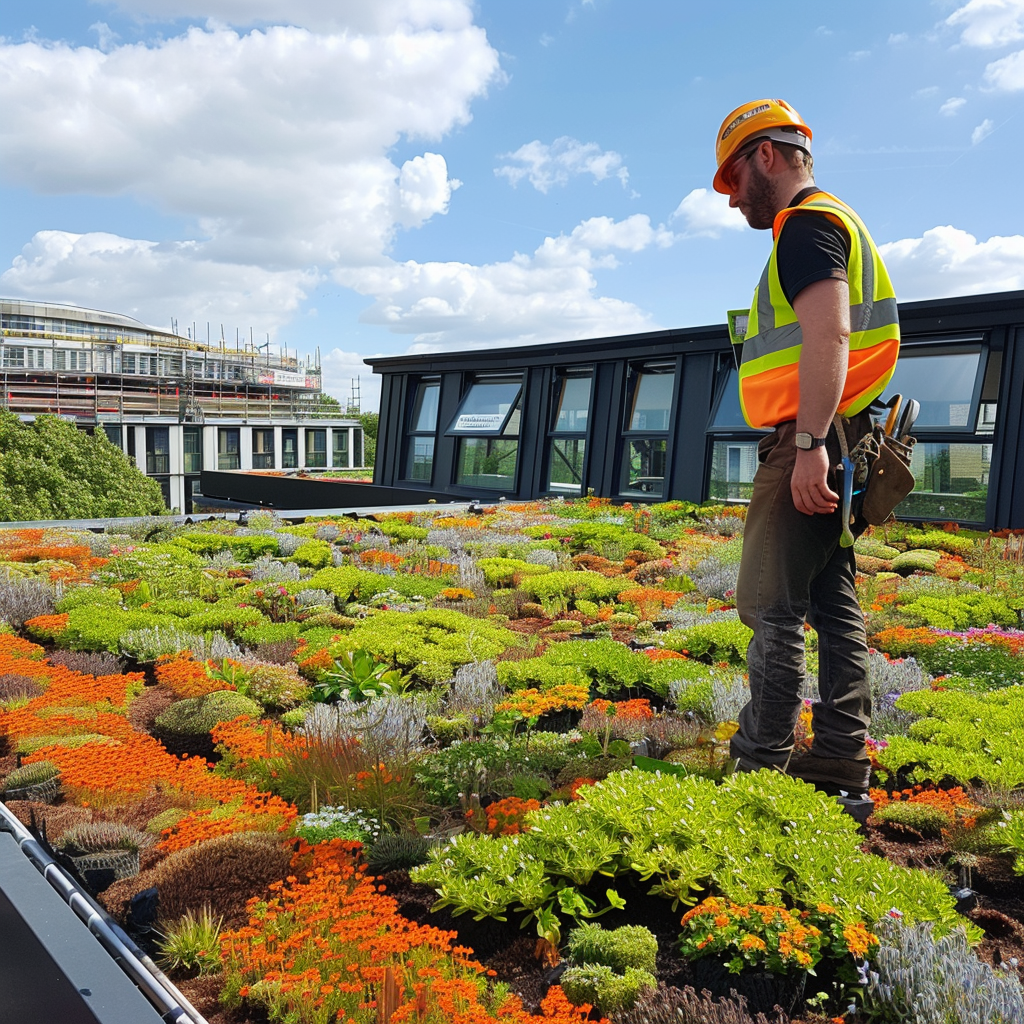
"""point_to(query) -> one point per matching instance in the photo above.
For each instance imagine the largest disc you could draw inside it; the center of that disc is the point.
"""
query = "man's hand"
(811, 492)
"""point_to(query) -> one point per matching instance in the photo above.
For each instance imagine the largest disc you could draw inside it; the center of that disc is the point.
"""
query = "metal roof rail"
(172, 1006)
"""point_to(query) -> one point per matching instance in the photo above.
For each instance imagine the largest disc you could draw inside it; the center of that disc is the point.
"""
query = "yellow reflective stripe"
(876, 336)
(772, 360)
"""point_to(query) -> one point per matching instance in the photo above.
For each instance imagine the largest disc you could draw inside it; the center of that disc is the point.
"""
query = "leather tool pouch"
(889, 480)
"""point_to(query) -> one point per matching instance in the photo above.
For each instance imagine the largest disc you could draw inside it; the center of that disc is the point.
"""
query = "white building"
(174, 406)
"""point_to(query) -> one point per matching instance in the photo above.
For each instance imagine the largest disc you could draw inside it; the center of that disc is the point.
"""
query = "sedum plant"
(602, 987)
(756, 838)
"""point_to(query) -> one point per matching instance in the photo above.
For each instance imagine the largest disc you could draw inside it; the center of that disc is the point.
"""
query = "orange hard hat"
(761, 119)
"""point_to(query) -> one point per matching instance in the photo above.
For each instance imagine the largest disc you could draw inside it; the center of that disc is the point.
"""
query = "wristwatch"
(808, 441)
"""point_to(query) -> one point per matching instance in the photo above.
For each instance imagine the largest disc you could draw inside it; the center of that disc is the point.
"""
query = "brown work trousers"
(793, 570)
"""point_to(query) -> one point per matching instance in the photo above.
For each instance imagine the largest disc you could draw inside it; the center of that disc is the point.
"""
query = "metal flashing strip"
(158, 989)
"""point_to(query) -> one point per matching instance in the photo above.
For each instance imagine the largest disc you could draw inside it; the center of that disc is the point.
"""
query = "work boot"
(841, 773)
(846, 779)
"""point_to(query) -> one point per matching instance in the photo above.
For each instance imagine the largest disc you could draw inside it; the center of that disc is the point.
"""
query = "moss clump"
(922, 818)
(617, 948)
(197, 715)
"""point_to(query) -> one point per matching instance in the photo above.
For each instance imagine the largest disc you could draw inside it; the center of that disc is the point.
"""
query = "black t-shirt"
(811, 248)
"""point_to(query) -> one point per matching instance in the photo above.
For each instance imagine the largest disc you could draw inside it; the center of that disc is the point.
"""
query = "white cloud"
(898, 37)
(708, 213)
(927, 91)
(948, 261)
(273, 143)
(548, 165)
(952, 105)
(424, 189)
(154, 281)
(983, 131)
(1007, 73)
(550, 295)
(989, 22)
(860, 54)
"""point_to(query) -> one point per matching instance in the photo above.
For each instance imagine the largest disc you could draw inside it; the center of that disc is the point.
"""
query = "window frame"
(635, 371)
(557, 390)
(414, 435)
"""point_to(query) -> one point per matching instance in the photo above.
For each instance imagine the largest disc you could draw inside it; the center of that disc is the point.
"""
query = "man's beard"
(761, 200)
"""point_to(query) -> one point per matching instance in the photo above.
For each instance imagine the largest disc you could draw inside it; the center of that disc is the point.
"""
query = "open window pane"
(573, 405)
(643, 466)
(733, 464)
(944, 384)
(424, 415)
(565, 465)
(486, 407)
(487, 462)
(652, 401)
(951, 482)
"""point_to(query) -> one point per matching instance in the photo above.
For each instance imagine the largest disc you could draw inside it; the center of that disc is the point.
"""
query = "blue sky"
(383, 176)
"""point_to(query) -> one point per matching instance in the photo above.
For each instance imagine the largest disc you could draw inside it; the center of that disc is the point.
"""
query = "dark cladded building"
(649, 417)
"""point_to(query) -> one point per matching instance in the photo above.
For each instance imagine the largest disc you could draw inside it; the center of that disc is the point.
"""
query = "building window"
(951, 482)
(339, 454)
(228, 451)
(263, 448)
(14, 355)
(949, 385)
(422, 432)
(650, 391)
(131, 442)
(487, 427)
(568, 434)
(487, 462)
(316, 449)
(733, 465)
(158, 451)
(192, 449)
(290, 448)
(113, 432)
(357, 447)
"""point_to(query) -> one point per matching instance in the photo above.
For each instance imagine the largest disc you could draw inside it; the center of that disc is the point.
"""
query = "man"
(822, 339)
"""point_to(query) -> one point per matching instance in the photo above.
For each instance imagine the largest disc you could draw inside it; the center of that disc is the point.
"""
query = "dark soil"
(1000, 893)
(511, 951)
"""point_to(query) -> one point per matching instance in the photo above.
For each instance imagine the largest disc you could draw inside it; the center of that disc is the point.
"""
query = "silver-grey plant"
(920, 978)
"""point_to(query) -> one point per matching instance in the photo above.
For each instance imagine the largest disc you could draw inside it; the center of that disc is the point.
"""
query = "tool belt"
(877, 474)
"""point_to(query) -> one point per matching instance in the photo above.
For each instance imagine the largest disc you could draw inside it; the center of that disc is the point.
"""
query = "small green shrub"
(602, 987)
(501, 572)
(197, 715)
(31, 775)
(725, 640)
(192, 943)
(316, 554)
(396, 853)
(100, 836)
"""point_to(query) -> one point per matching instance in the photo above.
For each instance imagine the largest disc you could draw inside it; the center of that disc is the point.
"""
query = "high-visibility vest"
(769, 376)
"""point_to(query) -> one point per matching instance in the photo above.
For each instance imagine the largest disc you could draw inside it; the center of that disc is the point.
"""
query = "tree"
(370, 421)
(51, 470)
